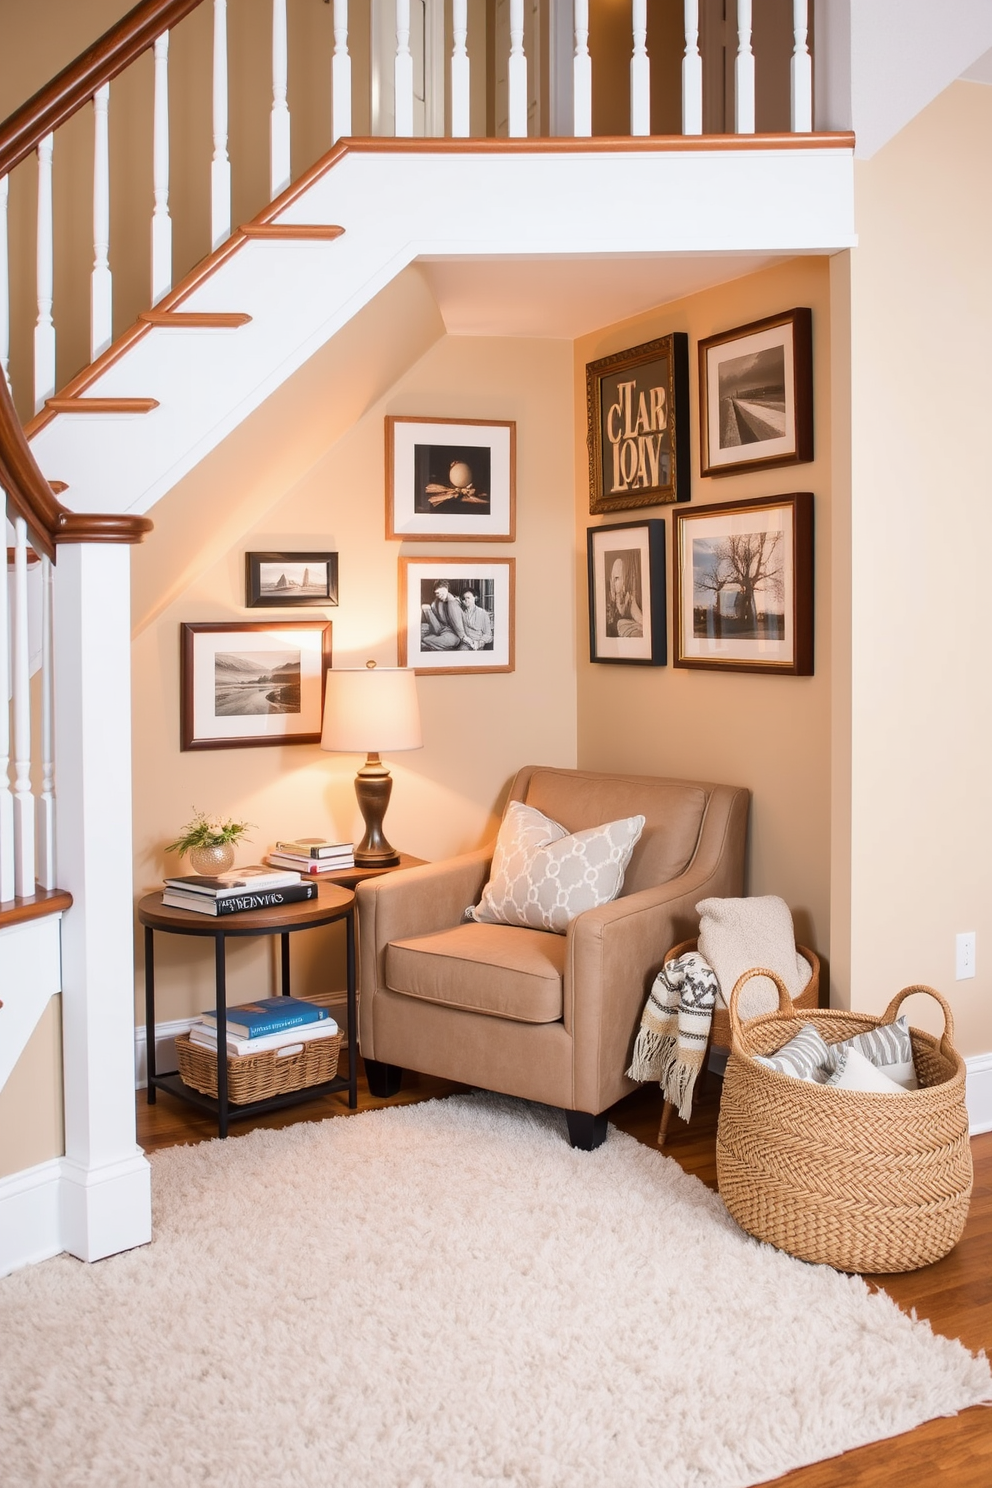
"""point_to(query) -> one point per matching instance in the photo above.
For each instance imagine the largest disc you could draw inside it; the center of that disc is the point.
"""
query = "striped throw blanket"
(671, 1043)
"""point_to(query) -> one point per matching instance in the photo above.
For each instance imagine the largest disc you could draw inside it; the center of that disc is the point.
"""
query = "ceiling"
(566, 297)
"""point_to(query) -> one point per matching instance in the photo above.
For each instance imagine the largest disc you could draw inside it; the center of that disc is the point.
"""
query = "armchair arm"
(416, 901)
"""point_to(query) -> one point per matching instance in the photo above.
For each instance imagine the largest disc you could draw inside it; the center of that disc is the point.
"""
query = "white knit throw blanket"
(675, 1026)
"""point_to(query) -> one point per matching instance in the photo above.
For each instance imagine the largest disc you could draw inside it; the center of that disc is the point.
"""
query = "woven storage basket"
(809, 997)
(254, 1077)
(856, 1180)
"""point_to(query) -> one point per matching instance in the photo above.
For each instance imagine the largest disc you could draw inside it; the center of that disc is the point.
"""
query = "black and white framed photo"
(456, 614)
(637, 404)
(451, 479)
(756, 395)
(283, 579)
(627, 593)
(246, 683)
(744, 586)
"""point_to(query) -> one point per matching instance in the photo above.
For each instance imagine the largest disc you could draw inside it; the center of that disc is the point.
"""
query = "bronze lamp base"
(373, 787)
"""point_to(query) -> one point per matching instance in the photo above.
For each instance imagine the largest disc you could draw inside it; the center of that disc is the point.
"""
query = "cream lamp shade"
(372, 710)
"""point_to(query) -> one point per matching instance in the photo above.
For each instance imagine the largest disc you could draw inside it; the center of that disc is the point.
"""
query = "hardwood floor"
(955, 1295)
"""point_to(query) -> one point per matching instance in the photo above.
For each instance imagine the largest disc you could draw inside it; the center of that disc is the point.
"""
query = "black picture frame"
(637, 405)
(260, 568)
(627, 593)
(756, 395)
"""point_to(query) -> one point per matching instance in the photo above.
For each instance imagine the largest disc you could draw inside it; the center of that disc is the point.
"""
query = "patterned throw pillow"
(855, 1072)
(543, 876)
(805, 1057)
(888, 1047)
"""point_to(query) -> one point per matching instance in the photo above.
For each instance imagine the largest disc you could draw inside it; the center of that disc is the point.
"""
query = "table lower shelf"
(176, 1086)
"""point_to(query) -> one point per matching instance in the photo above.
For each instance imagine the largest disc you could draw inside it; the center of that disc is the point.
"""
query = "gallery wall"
(769, 733)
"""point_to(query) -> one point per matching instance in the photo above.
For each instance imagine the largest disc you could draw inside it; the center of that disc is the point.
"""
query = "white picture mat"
(407, 522)
(443, 661)
(749, 345)
(207, 644)
(623, 648)
(712, 529)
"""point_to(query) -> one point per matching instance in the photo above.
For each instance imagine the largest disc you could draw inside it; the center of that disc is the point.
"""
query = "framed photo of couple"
(456, 614)
(627, 593)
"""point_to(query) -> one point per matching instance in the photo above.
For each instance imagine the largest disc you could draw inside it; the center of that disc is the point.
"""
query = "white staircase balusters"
(46, 803)
(280, 173)
(640, 71)
(101, 280)
(220, 164)
(516, 76)
(4, 284)
(24, 823)
(44, 331)
(802, 70)
(340, 74)
(7, 888)
(744, 72)
(692, 73)
(161, 221)
(403, 74)
(581, 73)
(460, 98)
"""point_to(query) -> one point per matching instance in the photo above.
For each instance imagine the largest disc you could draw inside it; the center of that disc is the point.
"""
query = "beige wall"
(478, 730)
(771, 734)
(31, 1100)
(921, 684)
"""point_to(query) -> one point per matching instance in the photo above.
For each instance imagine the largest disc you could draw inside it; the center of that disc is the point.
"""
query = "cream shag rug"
(445, 1295)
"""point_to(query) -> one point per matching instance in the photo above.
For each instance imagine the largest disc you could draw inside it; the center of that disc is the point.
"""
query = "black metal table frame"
(220, 933)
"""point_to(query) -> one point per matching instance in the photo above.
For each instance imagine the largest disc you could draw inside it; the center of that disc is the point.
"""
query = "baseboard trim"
(978, 1093)
(165, 1048)
(30, 1216)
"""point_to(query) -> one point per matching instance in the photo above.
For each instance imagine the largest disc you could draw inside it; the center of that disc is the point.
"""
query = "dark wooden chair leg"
(384, 1079)
(585, 1131)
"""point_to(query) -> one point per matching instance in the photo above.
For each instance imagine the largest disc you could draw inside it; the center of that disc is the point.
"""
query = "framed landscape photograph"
(756, 395)
(247, 683)
(278, 579)
(451, 479)
(456, 614)
(744, 586)
(638, 425)
(627, 593)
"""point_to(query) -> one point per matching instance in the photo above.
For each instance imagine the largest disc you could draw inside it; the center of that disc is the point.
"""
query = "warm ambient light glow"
(371, 709)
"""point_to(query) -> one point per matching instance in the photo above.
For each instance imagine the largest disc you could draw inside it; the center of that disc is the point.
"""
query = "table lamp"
(369, 710)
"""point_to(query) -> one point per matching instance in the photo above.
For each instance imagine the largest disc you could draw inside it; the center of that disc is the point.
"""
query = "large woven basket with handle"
(856, 1180)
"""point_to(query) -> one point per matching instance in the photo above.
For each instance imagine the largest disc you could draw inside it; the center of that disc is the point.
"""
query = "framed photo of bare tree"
(744, 586)
(756, 395)
(626, 563)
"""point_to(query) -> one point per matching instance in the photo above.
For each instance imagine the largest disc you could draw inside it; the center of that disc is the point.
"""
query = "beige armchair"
(547, 1017)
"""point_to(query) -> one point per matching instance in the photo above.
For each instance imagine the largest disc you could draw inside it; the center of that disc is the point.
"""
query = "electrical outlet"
(964, 955)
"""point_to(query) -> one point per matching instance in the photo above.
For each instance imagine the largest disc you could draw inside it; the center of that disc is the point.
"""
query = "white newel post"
(340, 74)
(106, 1191)
(161, 221)
(692, 73)
(640, 72)
(744, 72)
(802, 70)
(4, 288)
(220, 165)
(581, 74)
(101, 281)
(460, 123)
(279, 128)
(516, 74)
(44, 331)
(7, 886)
(403, 74)
(24, 817)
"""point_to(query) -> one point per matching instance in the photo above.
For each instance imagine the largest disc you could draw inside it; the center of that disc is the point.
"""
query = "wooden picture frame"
(451, 480)
(756, 395)
(637, 404)
(744, 586)
(626, 571)
(244, 684)
(458, 635)
(282, 580)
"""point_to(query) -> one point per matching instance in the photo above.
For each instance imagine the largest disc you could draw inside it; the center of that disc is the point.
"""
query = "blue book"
(268, 1015)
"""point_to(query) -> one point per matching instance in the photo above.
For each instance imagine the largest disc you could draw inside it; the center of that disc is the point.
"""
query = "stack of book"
(313, 855)
(239, 890)
(284, 1023)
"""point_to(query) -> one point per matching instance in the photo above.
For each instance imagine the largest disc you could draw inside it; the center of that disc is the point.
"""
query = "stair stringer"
(395, 205)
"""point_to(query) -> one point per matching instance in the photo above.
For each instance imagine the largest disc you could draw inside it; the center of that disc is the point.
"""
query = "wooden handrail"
(75, 85)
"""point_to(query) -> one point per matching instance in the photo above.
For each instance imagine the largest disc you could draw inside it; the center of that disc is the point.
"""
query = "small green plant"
(207, 831)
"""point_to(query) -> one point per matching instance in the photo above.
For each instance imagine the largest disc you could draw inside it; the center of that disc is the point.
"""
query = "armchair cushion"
(543, 876)
(507, 973)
